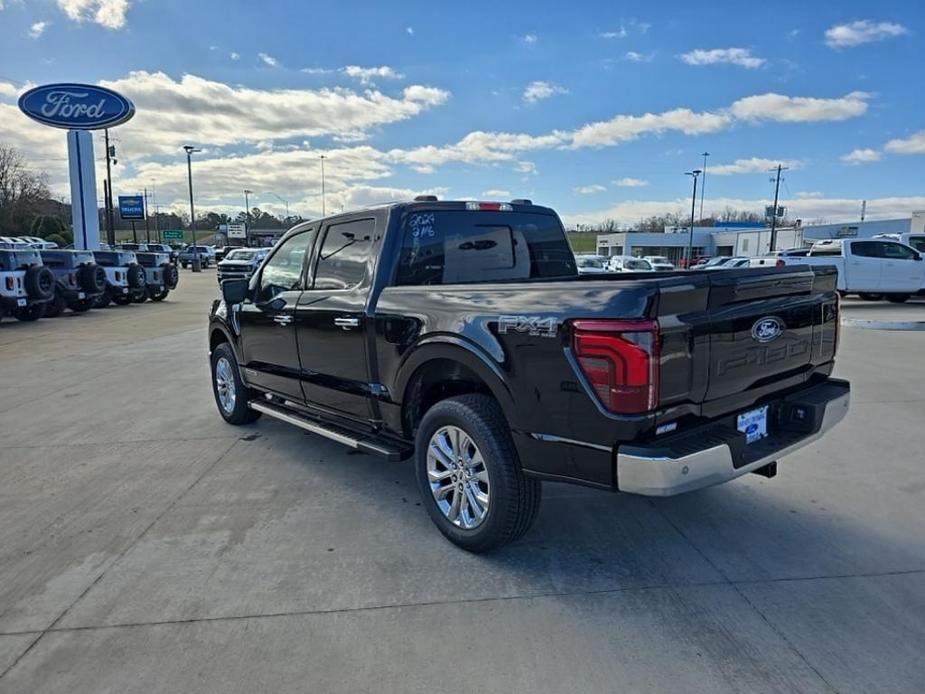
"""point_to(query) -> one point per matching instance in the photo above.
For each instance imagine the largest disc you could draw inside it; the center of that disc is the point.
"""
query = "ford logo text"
(76, 106)
(767, 329)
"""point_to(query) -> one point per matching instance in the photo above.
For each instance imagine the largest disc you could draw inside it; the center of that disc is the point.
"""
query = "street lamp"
(247, 212)
(690, 239)
(322, 187)
(196, 266)
(703, 184)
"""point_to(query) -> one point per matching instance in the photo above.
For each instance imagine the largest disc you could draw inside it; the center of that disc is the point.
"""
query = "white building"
(867, 228)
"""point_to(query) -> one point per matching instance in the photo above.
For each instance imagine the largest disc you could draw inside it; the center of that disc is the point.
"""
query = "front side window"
(344, 254)
(918, 243)
(897, 251)
(283, 272)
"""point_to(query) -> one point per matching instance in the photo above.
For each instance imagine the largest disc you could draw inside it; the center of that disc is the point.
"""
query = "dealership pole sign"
(132, 206)
(79, 108)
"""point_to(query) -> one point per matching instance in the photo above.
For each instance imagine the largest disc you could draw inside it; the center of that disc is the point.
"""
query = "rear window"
(451, 247)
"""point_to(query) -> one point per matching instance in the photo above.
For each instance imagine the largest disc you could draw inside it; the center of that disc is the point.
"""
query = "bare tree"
(22, 191)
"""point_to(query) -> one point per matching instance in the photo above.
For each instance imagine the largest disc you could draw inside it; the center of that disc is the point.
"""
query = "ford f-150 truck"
(461, 334)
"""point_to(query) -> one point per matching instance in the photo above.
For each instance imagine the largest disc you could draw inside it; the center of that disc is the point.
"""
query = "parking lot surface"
(146, 546)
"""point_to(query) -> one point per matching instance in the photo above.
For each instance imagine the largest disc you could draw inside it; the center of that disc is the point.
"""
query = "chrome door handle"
(283, 319)
(347, 323)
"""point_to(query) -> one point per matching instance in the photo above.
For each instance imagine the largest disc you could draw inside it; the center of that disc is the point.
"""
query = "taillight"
(118, 276)
(780, 263)
(72, 279)
(620, 359)
(9, 283)
(489, 206)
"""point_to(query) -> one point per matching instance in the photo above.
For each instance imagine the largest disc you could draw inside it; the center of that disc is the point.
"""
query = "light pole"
(157, 230)
(703, 184)
(690, 239)
(196, 265)
(322, 187)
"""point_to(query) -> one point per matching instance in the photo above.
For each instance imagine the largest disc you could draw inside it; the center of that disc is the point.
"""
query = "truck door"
(331, 318)
(268, 335)
(863, 266)
(903, 269)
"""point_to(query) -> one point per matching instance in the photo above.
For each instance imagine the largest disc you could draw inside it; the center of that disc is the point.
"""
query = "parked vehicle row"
(44, 283)
(599, 264)
(30, 241)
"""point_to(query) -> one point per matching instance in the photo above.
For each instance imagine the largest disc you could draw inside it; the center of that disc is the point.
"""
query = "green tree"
(58, 239)
(43, 225)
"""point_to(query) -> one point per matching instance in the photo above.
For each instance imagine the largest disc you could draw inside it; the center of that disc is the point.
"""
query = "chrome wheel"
(458, 478)
(224, 384)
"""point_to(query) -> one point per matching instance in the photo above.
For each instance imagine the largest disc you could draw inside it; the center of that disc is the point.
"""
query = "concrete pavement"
(145, 546)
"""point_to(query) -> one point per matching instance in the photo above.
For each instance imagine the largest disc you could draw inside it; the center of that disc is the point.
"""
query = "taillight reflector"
(489, 206)
(620, 360)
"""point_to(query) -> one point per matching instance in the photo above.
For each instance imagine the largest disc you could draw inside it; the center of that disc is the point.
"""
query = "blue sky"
(597, 109)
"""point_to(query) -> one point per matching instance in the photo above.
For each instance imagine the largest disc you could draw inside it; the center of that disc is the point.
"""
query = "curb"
(914, 325)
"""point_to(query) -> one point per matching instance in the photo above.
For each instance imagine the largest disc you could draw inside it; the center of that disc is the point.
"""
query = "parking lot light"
(196, 265)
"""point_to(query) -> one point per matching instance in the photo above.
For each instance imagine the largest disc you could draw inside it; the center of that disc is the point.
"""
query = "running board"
(360, 442)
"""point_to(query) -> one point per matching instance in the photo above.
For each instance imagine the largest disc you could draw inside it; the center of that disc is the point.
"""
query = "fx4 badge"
(767, 329)
(532, 325)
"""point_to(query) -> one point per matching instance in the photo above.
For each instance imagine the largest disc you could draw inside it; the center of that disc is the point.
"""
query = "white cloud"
(107, 13)
(630, 183)
(752, 165)
(37, 29)
(538, 90)
(529, 38)
(914, 144)
(620, 33)
(234, 55)
(409, 31)
(733, 56)
(808, 195)
(861, 156)
(637, 57)
(367, 74)
(625, 29)
(589, 190)
(526, 168)
(268, 59)
(623, 128)
(800, 109)
(477, 147)
(495, 193)
(860, 32)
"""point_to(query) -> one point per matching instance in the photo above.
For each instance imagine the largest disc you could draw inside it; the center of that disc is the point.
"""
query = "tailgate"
(767, 325)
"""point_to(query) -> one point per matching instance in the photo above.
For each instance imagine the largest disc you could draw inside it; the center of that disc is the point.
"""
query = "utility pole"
(323, 210)
(690, 239)
(157, 230)
(107, 191)
(863, 209)
(774, 209)
(703, 184)
(147, 226)
(247, 214)
(196, 263)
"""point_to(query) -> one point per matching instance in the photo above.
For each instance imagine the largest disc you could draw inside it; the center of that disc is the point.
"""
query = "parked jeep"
(125, 278)
(25, 284)
(79, 281)
(161, 276)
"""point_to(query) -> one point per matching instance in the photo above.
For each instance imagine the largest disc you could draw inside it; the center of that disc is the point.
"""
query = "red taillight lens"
(780, 263)
(118, 276)
(620, 359)
(9, 283)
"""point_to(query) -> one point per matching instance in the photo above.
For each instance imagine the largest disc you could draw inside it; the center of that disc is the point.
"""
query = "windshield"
(244, 254)
(716, 261)
(589, 262)
(637, 264)
(660, 259)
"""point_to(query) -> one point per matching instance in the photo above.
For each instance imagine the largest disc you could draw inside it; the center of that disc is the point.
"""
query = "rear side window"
(867, 249)
(344, 254)
(447, 247)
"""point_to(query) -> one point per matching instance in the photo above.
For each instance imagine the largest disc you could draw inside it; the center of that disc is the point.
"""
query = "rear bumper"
(719, 453)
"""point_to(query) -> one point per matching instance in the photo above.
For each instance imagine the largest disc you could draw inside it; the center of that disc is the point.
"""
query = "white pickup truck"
(874, 269)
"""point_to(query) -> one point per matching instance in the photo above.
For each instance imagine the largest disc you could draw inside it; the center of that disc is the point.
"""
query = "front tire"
(897, 298)
(158, 295)
(30, 313)
(231, 395)
(121, 299)
(56, 306)
(469, 474)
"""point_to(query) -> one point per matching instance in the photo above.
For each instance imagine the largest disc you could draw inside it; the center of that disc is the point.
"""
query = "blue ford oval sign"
(76, 106)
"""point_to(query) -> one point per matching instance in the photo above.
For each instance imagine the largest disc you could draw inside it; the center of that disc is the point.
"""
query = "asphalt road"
(146, 546)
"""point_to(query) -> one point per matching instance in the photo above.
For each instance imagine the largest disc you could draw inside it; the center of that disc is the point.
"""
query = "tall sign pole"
(79, 109)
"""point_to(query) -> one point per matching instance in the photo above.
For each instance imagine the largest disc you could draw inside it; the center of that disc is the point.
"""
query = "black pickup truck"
(460, 333)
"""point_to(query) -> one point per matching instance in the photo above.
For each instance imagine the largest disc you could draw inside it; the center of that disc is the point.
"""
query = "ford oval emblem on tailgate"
(767, 329)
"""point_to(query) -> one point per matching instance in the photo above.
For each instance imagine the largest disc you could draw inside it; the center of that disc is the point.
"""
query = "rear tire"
(231, 395)
(103, 300)
(121, 299)
(82, 305)
(30, 313)
(56, 306)
(870, 297)
(160, 295)
(497, 483)
(898, 298)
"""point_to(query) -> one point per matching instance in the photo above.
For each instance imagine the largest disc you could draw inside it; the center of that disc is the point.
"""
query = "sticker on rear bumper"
(754, 424)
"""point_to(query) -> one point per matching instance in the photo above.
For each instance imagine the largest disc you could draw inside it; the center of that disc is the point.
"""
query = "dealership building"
(744, 239)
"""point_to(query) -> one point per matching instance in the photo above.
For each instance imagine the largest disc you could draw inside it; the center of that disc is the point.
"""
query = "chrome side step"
(360, 442)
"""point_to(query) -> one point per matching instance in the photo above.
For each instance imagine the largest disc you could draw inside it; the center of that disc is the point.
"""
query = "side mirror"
(234, 291)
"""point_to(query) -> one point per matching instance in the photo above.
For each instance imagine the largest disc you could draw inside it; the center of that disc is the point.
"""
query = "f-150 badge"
(532, 325)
